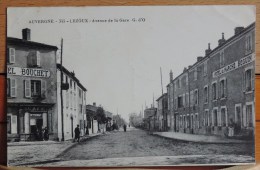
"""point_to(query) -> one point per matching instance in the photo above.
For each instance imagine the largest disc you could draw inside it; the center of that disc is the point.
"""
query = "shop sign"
(28, 72)
(35, 109)
(233, 66)
(35, 115)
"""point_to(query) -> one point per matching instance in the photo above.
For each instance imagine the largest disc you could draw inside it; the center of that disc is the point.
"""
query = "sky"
(119, 62)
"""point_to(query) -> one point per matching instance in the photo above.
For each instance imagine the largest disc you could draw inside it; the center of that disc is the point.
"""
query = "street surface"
(138, 143)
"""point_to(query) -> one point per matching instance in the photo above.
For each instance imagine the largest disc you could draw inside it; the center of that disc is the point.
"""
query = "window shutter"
(11, 55)
(43, 89)
(8, 86)
(27, 88)
(13, 87)
(7, 55)
(225, 87)
(38, 58)
(244, 116)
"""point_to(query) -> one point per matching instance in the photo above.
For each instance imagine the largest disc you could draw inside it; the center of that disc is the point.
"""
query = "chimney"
(26, 34)
(189, 67)
(207, 51)
(171, 76)
(94, 103)
(184, 69)
(199, 58)
(221, 41)
(238, 30)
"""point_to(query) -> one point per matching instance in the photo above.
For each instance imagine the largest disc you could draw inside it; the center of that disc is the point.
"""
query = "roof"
(217, 48)
(71, 75)
(18, 41)
(163, 95)
(91, 107)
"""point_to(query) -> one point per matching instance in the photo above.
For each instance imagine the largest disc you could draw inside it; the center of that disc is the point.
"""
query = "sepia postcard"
(131, 86)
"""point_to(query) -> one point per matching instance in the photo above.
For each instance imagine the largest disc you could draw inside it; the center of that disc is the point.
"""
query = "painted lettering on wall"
(233, 66)
(29, 72)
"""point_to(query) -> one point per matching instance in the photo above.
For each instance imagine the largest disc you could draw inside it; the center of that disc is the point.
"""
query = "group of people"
(42, 134)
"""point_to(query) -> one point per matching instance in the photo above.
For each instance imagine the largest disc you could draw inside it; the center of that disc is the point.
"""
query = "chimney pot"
(94, 103)
(208, 50)
(26, 34)
(238, 30)
(199, 58)
(221, 41)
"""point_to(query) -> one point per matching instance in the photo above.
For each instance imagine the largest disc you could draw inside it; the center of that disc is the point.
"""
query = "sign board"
(234, 65)
(28, 72)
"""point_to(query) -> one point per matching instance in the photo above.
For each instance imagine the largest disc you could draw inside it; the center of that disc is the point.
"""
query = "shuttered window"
(27, 88)
(38, 58)
(12, 87)
(43, 89)
(11, 55)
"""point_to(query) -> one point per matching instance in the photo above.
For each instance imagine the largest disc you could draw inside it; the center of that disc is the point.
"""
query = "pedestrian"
(46, 134)
(77, 133)
(124, 127)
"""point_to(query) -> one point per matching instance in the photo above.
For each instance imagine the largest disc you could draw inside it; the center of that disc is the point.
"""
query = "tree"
(101, 117)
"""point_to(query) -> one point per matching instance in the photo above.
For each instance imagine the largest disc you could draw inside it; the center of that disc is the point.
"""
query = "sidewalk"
(35, 152)
(198, 138)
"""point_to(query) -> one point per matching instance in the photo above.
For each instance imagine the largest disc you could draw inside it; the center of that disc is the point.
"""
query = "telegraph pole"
(61, 96)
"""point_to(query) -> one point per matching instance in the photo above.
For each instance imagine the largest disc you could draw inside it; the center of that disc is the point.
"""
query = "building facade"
(162, 117)
(92, 124)
(73, 103)
(150, 118)
(31, 88)
(215, 95)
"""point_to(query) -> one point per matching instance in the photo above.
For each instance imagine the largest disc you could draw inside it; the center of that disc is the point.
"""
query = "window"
(197, 120)
(223, 85)
(192, 121)
(38, 58)
(195, 74)
(206, 118)
(224, 116)
(34, 59)
(206, 94)
(248, 80)
(11, 87)
(187, 99)
(238, 115)
(196, 97)
(215, 117)
(187, 80)
(205, 68)
(184, 121)
(67, 99)
(35, 88)
(249, 115)
(248, 43)
(214, 91)
(180, 101)
(188, 121)
(222, 58)
(11, 55)
(178, 83)
(9, 124)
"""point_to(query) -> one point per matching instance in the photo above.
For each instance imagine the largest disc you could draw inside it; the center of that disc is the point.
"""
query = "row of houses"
(215, 95)
(44, 94)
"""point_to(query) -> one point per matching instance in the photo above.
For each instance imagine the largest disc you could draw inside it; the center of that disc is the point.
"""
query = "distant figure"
(77, 133)
(46, 134)
(124, 127)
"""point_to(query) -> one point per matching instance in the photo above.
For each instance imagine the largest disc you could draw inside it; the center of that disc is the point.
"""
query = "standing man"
(124, 127)
(77, 133)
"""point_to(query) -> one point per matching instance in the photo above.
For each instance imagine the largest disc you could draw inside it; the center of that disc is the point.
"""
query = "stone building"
(31, 88)
(150, 118)
(162, 117)
(215, 95)
(74, 104)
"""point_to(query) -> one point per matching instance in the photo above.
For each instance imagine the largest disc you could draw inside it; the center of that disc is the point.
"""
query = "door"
(71, 123)
(238, 116)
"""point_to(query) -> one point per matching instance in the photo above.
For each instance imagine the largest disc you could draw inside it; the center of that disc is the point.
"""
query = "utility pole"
(61, 96)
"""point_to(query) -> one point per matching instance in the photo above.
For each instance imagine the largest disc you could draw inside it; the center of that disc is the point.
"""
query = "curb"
(206, 142)
(38, 162)
(74, 144)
